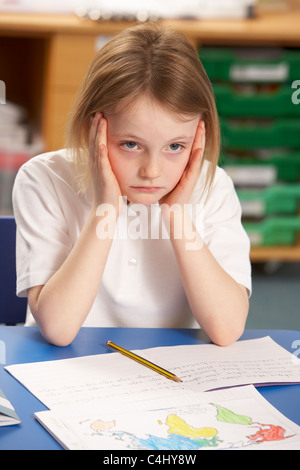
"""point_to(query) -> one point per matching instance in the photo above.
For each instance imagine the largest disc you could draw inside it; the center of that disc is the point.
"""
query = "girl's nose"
(150, 167)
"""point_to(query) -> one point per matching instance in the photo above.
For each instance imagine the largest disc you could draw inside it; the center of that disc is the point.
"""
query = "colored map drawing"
(228, 416)
(174, 442)
(161, 443)
(180, 427)
(269, 432)
(101, 426)
(209, 426)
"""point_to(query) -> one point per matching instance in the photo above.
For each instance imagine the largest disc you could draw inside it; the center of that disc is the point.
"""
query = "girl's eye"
(175, 147)
(129, 145)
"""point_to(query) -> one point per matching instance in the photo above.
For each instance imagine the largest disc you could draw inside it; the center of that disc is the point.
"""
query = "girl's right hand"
(105, 186)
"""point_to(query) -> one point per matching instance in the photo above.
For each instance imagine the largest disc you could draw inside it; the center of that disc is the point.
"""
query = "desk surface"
(22, 345)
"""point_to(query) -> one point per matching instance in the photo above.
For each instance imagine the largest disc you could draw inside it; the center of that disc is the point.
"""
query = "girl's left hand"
(184, 188)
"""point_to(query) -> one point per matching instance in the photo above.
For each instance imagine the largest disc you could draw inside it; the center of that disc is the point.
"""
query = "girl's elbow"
(229, 334)
(54, 335)
(227, 338)
(57, 338)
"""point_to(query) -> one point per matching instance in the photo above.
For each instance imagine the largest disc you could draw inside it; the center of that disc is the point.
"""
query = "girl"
(91, 244)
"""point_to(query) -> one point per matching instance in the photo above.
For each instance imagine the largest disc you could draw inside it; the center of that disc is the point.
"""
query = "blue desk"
(22, 345)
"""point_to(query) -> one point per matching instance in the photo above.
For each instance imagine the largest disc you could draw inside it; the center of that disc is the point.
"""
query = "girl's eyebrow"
(184, 138)
(128, 137)
(140, 139)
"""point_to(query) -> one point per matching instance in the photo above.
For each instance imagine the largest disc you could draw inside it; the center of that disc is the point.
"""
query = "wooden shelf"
(275, 253)
(271, 28)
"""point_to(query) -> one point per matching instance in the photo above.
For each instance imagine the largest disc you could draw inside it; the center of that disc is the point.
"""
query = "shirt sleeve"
(223, 230)
(42, 239)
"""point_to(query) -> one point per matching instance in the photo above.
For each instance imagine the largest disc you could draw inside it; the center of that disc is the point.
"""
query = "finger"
(94, 124)
(191, 172)
(103, 158)
(197, 149)
(102, 132)
(199, 141)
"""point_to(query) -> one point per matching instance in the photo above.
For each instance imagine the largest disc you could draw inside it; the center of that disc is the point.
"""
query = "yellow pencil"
(143, 361)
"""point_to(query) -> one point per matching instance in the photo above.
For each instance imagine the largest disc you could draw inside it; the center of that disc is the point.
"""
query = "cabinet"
(43, 59)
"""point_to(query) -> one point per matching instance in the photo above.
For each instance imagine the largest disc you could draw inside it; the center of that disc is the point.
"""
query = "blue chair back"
(12, 308)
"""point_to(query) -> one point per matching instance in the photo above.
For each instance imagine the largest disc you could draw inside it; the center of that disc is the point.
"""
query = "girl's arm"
(63, 303)
(218, 302)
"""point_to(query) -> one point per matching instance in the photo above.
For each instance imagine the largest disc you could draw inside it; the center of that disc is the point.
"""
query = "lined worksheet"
(99, 380)
(207, 367)
(106, 379)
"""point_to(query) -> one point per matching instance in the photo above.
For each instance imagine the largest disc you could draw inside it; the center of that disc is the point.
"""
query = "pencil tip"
(176, 379)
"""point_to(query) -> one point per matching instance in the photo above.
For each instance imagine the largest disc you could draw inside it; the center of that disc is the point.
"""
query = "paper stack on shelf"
(143, 10)
(140, 10)
(17, 145)
(36, 6)
(12, 130)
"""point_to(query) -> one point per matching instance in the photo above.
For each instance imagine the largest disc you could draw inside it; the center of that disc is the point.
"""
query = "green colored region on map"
(228, 416)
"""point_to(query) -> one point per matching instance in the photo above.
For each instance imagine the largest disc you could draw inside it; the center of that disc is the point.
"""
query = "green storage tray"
(245, 134)
(247, 171)
(273, 231)
(280, 199)
(251, 65)
(252, 103)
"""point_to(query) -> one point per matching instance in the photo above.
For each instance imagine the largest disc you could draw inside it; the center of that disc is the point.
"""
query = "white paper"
(208, 367)
(97, 381)
(8, 415)
(107, 379)
(238, 418)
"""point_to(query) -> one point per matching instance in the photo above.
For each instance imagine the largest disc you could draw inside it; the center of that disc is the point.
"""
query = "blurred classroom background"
(251, 52)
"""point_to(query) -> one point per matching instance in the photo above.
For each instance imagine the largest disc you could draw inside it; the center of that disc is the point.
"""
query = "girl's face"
(149, 148)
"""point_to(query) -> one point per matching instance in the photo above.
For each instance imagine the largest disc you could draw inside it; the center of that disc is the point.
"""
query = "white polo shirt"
(141, 284)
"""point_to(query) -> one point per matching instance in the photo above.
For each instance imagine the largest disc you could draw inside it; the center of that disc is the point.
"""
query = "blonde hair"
(144, 59)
